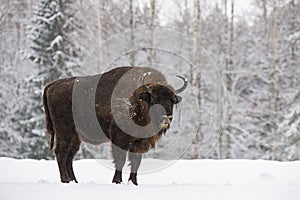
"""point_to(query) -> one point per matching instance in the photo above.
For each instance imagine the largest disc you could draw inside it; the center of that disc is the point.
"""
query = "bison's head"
(153, 95)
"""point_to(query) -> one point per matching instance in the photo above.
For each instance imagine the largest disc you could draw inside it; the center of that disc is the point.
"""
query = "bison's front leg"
(135, 159)
(119, 156)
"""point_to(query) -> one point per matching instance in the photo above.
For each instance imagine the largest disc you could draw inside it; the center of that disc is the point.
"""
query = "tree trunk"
(293, 44)
(224, 50)
(195, 78)
(151, 25)
(99, 26)
(131, 33)
(274, 80)
(229, 69)
(266, 32)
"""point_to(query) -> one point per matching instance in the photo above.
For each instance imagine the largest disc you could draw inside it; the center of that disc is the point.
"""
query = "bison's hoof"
(134, 182)
(133, 179)
(66, 181)
(117, 181)
(117, 177)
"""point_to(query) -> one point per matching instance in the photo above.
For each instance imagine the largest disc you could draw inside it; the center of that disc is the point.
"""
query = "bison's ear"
(145, 96)
(176, 99)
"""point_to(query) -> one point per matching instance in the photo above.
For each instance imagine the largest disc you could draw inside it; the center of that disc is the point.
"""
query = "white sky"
(243, 5)
(169, 9)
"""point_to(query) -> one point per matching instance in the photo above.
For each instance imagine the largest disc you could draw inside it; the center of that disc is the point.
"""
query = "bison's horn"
(184, 85)
(143, 79)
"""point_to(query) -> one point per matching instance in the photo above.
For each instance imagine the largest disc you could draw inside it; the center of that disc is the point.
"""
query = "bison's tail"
(49, 124)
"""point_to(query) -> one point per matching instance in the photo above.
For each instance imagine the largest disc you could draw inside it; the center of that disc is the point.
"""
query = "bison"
(116, 106)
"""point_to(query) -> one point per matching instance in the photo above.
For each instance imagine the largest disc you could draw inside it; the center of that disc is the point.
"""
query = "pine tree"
(290, 126)
(51, 34)
(55, 55)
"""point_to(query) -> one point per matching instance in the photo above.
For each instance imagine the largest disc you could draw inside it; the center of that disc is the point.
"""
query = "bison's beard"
(143, 145)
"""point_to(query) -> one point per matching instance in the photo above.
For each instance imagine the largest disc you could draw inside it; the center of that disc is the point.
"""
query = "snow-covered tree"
(13, 18)
(56, 55)
(289, 128)
(53, 27)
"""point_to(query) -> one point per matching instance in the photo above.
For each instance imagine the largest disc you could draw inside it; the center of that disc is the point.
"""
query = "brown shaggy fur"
(60, 107)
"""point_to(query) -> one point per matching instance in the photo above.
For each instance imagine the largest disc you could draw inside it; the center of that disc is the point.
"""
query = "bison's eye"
(176, 99)
(145, 97)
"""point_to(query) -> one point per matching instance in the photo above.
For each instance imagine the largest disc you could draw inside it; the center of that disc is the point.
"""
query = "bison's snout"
(166, 121)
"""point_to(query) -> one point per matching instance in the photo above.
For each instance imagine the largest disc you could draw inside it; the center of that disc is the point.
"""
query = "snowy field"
(184, 179)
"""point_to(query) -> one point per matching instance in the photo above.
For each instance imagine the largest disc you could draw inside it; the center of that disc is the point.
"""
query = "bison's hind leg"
(74, 147)
(61, 154)
(66, 147)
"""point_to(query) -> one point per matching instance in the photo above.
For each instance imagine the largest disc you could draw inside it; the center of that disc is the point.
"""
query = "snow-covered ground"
(184, 179)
